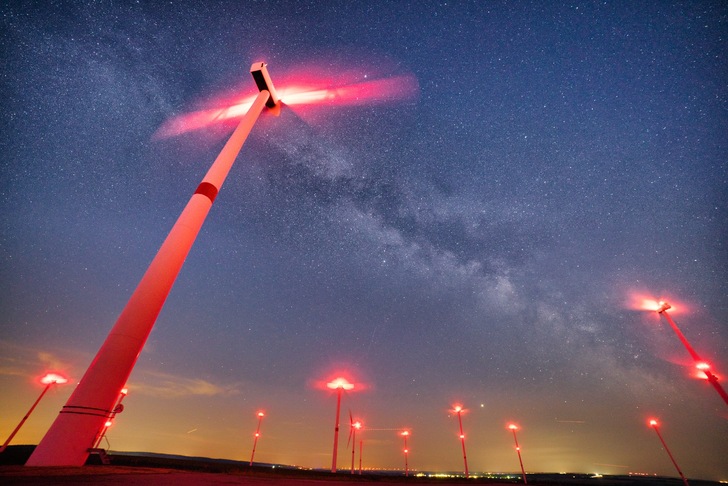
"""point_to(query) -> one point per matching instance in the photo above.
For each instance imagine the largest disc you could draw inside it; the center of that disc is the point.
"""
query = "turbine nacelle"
(262, 80)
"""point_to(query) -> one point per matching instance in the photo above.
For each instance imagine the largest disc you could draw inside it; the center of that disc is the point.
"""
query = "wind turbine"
(82, 418)
(353, 427)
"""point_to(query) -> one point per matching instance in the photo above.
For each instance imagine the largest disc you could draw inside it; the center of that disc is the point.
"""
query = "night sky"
(478, 234)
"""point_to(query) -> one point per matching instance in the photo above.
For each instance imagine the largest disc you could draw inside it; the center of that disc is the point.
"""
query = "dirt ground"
(123, 475)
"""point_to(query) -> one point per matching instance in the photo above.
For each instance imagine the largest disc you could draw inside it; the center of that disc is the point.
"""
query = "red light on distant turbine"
(513, 426)
(702, 372)
(649, 303)
(53, 378)
(261, 414)
(652, 423)
(342, 383)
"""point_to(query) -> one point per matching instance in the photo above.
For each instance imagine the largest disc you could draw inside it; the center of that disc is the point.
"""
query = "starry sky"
(478, 233)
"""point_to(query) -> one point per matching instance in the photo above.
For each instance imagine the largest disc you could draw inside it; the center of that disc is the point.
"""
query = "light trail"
(317, 92)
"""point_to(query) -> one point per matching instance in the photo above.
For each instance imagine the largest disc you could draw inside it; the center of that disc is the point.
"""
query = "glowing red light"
(704, 373)
(108, 423)
(405, 433)
(649, 303)
(458, 408)
(462, 436)
(406, 451)
(340, 383)
(653, 423)
(53, 378)
(349, 91)
(261, 414)
(702, 366)
(367, 92)
(257, 434)
(125, 391)
(512, 426)
(197, 120)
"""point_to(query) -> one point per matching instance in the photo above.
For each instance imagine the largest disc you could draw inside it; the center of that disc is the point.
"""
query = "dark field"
(144, 469)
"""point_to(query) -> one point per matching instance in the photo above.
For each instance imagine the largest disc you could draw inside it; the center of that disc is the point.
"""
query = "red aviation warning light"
(340, 383)
(51, 378)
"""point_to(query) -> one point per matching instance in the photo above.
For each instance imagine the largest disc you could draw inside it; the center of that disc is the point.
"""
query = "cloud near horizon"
(164, 385)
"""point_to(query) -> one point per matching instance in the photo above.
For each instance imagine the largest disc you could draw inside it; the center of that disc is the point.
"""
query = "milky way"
(476, 238)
